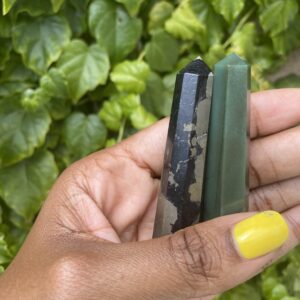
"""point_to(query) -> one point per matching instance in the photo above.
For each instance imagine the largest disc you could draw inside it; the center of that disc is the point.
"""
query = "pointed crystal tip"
(232, 59)
(197, 66)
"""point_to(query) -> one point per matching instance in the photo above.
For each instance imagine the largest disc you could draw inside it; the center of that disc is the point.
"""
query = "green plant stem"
(239, 26)
(121, 131)
(141, 56)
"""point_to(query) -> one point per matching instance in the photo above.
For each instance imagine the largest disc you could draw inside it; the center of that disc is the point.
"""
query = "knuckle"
(197, 255)
(255, 178)
(281, 196)
(66, 276)
(294, 225)
(270, 197)
(259, 200)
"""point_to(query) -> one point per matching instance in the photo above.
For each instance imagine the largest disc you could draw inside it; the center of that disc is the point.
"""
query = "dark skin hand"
(92, 238)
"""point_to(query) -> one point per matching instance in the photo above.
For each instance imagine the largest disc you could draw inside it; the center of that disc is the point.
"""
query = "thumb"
(201, 260)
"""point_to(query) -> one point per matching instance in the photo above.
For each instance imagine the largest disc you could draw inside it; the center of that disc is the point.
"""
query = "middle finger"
(274, 158)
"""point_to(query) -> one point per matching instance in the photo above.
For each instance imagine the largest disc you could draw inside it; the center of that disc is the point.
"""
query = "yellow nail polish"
(260, 234)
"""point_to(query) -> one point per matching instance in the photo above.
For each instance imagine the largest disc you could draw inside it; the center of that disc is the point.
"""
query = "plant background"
(77, 76)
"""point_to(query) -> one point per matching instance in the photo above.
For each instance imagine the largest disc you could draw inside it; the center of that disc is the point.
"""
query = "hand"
(79, 246)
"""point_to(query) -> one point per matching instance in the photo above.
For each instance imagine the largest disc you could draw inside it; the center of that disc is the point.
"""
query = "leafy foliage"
(83, 134)
(80, 75)
(113, 28)
(85, 67)
(40, 40)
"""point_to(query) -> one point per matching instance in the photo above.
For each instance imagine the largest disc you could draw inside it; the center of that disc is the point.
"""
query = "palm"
(111, 195)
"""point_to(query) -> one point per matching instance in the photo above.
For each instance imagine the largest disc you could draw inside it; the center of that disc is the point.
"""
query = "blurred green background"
(77, 76)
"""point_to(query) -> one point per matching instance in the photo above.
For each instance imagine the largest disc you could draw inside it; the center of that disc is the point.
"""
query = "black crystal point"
(182, 176)
(197, 66)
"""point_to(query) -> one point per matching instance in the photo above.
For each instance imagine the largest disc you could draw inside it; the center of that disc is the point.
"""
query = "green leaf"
(113, 28)
(182, 62)
(128, 103)
(184, 24)
(287, 40)
(24, 186)
(16, 71)
(56, 4)
(169, 83)
(130, 76)
(19, 221)
(243, 42)
(14, 236)
(7, 5)
(83, 134)
(268, 284)
(215, 53)
(258, 81)
(11, 89)
(40, 40)
(132, 6)
(110, 143)
(276, 17)
(214, 24)
(5, 26)
(21, 131)
(262, 2)
(158, 53)
(54, 84)
(5, 47)
(264, 57)
(59, 108)
(242, 292)
(279, 292)
(54, 135)
(31, 99)
(62, 156)
(159, 14)
(140, 118)
(5, 255)
(229, 9)
(85, 67)
(32, 7)
(111, 114)
(75, 11)
(156, 98)
(291, 81)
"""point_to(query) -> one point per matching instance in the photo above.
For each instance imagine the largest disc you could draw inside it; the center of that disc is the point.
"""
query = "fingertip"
(260, 234)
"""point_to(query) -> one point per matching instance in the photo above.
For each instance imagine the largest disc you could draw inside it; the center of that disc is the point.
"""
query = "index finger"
(273, 111)
(146, 148)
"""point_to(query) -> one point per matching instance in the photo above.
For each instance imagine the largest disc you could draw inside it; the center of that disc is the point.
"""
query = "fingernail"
(260, 234)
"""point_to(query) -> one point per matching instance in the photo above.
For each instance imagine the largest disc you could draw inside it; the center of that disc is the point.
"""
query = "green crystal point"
(231, 59)
(226, 175)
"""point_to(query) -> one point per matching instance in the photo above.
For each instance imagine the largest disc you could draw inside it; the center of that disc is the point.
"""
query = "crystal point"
(226, 175)
(179, 202)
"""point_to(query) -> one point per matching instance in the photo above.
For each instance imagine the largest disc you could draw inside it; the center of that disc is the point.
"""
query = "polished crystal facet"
(226, 181)
(179, 202)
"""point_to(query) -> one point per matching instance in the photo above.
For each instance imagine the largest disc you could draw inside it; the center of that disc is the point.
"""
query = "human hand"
(92, 238)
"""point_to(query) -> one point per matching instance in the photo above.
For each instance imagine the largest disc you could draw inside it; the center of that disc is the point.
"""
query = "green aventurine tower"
(226, 180)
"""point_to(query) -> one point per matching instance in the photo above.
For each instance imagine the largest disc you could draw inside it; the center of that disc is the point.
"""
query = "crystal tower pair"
(206, 158)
